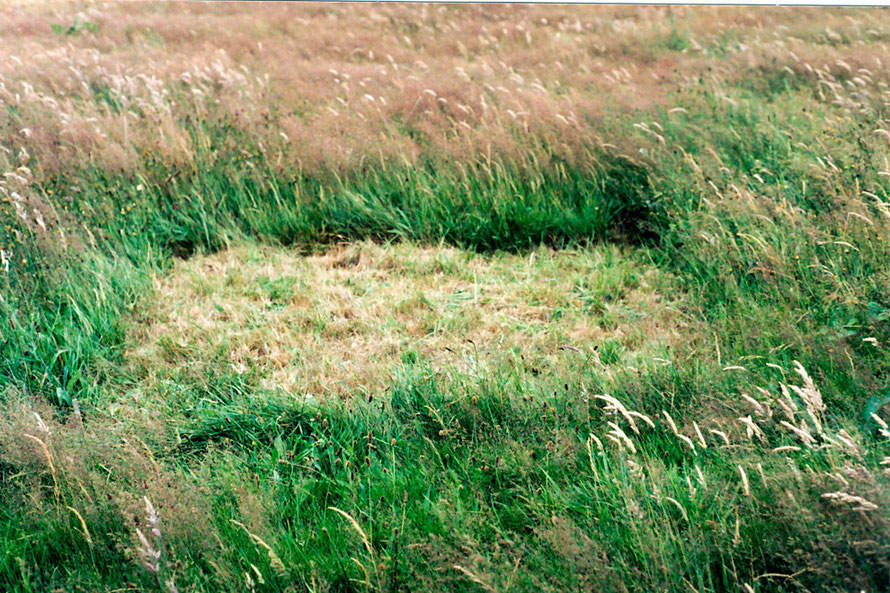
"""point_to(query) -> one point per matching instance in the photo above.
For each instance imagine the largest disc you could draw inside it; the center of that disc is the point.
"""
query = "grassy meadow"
(502, 298)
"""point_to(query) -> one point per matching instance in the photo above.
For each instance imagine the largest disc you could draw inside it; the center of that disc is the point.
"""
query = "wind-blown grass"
(738, 214)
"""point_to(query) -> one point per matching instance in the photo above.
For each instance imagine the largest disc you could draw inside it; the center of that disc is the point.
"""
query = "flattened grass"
(339, 323)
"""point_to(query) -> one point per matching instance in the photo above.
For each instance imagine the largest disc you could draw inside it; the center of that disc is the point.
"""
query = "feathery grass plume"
(856, 503)
(787, 403)
(151, 557)
(752, 429)
(677, 504)
(802, 433)
(274, 559)
(636, 470)
(746, 487)
(619, 436)
(884, 428)
(40, 423)
(682, 437)
(758, 407)
(785, 448)
(473, 577)
(810, 395)
(49, 462)
(151, 515)
(259, 575)
(670, 422)
(701, 477)
(613, 405)
(687, 441)
(599, 446)
(846, 440)
(723, 436)
(765, 405)
(646, 419)
(701, 437)
(152, 550)
(83, 525)
(358, 529)
(149, 551)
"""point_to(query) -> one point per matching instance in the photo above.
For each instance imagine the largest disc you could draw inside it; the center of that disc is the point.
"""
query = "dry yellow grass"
(338, 87)
(341, 322)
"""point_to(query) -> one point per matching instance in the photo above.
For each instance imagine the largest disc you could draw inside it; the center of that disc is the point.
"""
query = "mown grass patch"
(339, 323)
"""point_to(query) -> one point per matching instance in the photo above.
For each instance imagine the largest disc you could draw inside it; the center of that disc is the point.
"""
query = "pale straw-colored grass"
(340, 322)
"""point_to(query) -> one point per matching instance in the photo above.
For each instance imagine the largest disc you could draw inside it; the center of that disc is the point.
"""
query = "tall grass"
(132, 232)
(752, 455)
